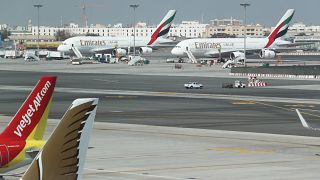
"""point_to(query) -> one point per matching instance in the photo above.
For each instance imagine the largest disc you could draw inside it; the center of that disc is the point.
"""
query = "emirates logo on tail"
(164, 27)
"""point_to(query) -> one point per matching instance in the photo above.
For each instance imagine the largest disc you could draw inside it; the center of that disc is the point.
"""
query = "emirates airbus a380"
(119, 45)
(209, 47)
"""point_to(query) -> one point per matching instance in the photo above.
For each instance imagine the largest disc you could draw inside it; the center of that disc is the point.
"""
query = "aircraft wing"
(105, 50)
(214, 53)
(304, 122)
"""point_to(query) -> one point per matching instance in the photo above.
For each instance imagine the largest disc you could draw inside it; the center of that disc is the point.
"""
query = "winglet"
(63, 156)
(304, 122)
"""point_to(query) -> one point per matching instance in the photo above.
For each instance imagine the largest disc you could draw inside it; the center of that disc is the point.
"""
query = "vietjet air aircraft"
(64, 154)
(209, 47)
(23, 137)
(120, 45)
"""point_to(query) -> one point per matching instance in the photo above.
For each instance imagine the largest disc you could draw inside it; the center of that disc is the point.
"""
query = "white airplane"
(209, 47)
(304, 122)
(64, 154)
(120, 45)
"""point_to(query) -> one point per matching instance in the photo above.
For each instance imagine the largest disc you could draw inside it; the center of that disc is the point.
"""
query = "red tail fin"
(31, 111)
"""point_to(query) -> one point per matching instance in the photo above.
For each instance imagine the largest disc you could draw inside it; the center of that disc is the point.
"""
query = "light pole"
(245, 30)
(134, 6)
(38, 6)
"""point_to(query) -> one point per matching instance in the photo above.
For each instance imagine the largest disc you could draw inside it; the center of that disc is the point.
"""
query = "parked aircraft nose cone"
(63, 48)
(177, 52)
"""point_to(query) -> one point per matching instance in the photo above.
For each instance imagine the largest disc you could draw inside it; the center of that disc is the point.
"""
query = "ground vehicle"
(55, 55)
(236, 84)
(191, 85)
(227, 85)
(239, 84)
(76, 61)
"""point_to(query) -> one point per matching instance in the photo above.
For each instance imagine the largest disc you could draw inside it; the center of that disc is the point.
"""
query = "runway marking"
(167, 93)
(315, 157)
(314, 110)
(136, 174)
(107, 81)
(244, 102)
(287, 109)
(122, 97)
(132, 172)
(299, 105)
(116, 111)
(241, 150)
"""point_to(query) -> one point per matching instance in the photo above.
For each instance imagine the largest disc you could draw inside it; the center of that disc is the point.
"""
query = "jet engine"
(145, 50)
(119, 52)
(267, 54)
(237, 57)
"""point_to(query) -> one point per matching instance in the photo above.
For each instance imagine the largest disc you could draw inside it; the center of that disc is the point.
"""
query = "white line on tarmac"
(170, 94)
(136, 174)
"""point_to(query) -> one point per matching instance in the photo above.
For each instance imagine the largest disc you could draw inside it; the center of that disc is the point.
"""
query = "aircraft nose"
(63, 48)
(177, 52)
(60, 48)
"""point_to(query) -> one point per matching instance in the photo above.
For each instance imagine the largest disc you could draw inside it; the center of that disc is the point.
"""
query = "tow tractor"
(236, 84)
(239, 84)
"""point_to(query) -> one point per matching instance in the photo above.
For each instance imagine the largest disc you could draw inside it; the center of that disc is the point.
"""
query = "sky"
(265, 12)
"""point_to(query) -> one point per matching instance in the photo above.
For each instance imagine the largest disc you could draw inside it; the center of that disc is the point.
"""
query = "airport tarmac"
(122, 152)
(157, 67)
(150, 127)
(162, 101)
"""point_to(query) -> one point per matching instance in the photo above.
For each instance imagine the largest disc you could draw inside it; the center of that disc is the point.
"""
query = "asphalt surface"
(264, 117)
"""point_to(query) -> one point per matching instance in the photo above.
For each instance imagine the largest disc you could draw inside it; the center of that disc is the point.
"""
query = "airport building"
(302, 33)
(232, 27)
(187, 29)
(300, 29)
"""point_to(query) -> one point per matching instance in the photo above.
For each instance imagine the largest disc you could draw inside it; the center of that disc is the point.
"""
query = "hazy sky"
(266, 12)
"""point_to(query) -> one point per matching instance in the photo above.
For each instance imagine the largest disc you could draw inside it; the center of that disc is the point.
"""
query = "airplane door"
(187, 48)
(4, 155)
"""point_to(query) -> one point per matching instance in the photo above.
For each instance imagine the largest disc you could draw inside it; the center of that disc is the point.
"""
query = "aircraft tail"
(63, 156)
(30, 120)
(164, 27)
(281, 28)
